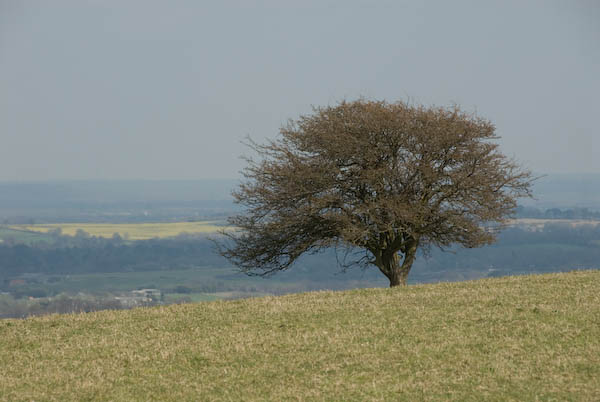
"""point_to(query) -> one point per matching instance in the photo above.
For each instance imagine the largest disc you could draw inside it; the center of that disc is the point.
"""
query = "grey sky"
(168, 89)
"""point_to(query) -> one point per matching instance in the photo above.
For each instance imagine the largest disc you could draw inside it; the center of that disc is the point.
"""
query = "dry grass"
(132, 231)
(513, 338)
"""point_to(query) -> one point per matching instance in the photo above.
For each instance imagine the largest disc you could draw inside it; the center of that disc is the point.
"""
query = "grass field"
(513, 338)
(22, 236)
(131, 231)
(123, 281)
(209, 282)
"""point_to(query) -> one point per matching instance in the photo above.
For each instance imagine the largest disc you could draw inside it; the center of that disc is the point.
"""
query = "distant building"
(140, 297)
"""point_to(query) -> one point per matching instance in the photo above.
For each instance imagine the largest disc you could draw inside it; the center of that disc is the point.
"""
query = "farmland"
(130, 231)
(8, 234)
(39, 266)
(538, 223)
(145, 231)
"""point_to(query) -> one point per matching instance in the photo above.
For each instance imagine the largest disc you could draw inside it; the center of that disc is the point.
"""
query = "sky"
(169, 89)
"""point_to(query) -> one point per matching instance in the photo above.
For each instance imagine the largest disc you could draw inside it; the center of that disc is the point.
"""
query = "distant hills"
(58, 193)
(135, 200)
(566, 190)
(114, 201)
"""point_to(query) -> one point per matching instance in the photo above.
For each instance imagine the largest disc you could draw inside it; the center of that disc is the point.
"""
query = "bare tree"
(383, 178)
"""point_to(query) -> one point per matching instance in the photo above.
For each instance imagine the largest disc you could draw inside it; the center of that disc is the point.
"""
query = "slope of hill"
(513, 338)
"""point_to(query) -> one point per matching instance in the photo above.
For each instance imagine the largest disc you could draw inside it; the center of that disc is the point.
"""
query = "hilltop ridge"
(511, 338)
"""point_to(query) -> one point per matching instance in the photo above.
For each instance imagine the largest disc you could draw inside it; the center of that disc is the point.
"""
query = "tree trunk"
(389, 265)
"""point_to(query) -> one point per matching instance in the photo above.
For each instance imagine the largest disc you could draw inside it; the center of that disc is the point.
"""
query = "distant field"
(144, 231)
(21, 236)
(539, 223)
(217, 281)
(131, 231)
(523, 338)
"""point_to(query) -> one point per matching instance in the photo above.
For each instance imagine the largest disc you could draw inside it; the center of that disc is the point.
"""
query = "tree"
(382, 178)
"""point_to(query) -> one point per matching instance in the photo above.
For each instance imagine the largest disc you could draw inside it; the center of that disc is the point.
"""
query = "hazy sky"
(168, 89)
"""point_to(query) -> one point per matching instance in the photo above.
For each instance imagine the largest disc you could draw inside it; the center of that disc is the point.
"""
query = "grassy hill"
(513, 338)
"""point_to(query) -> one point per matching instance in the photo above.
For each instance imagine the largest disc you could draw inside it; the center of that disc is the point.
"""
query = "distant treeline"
(557, 247)
(89, 254)
(11, 307)
(519, 249)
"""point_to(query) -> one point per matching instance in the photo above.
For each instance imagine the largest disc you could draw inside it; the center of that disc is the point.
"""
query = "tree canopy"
(382, 178)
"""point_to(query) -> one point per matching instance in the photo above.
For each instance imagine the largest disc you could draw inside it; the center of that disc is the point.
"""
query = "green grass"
(515, 338)
(22, 236)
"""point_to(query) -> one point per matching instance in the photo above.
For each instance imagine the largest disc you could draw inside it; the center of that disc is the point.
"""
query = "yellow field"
(131, 231)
